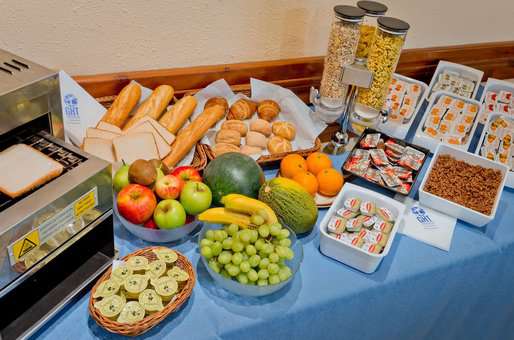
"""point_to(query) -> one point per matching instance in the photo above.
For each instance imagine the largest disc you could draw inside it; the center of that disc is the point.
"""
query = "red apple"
(136, 203)
(168, 187)
(187, 173)
(150, 224)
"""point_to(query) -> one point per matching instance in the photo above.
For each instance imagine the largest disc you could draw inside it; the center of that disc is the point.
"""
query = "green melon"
(294, 206)
(233, 173)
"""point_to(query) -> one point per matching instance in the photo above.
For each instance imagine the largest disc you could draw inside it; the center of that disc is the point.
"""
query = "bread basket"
(151, 320)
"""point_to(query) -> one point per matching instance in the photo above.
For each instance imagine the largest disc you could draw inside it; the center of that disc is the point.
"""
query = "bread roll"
(229, 137)
(268, 110)
(153, 105)
(191, 134)
(175, 118)
(120, 109)
(221, 148)
(235, 125)
(262, 126)
(216, 101)
(278, 144)
(256, 139)
(251, 150)
(285, 130)
(242, 109)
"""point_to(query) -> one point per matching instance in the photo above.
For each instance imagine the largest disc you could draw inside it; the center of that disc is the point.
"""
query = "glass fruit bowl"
(156, 235)
(253, 290)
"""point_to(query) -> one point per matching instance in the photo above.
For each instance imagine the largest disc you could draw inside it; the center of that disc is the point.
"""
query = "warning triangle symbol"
(26, 246)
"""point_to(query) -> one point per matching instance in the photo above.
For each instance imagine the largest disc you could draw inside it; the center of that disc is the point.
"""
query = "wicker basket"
(269, 160)
(152, 320)
(199, 161)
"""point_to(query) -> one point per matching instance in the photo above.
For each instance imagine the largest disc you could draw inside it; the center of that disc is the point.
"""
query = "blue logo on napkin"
(422, 216)
(71, 108)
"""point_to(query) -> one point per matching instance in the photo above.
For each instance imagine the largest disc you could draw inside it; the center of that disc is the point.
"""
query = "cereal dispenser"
(382, 60)
(373, 10)
(330, 100)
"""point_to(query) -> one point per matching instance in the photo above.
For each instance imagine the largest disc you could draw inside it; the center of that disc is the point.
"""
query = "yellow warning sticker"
(85, 203)
(25, 244)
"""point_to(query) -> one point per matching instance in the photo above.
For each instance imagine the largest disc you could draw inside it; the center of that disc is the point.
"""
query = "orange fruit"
(308, 181)
(318, 161)
(330, 182)
(291, 165)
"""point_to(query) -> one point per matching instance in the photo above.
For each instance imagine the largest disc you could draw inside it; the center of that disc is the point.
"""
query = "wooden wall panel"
(495, 59)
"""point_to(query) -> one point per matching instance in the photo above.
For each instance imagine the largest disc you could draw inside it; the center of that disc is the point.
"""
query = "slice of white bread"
(98, 133)
(99, 147)
(165, 133)
(163, 148)
(24, 168)
(137, 145)
(109, 127)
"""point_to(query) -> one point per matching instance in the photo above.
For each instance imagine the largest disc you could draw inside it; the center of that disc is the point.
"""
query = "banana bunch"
(241, 210)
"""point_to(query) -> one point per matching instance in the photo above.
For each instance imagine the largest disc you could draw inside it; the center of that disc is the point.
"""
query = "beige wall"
(85, 37)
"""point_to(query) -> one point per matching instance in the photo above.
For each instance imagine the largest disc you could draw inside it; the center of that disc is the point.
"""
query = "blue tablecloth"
(417, 292)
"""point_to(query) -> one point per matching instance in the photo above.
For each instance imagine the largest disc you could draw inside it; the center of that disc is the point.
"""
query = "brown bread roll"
(268, 110)
(256, 139)
(278, 144)
(285, 130)
(229, 137)
(251, 150)
(262, 126)
(221, 148)
(242, 109)
(235, 125)
(125, 102)
(153, 106)
(216, 101)
(175, 118)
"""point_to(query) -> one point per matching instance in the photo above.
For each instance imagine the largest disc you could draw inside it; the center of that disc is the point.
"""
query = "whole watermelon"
(233, 173)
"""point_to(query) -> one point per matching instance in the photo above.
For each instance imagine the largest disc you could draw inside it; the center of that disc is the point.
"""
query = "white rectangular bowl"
(465, 71)
(349, 254)
(400, 131)
(510, 175)
(422, 139)
(453, 209)
(495, 85)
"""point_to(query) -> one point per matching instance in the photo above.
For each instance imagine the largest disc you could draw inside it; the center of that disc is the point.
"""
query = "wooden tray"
(199, 161)
(151, 320)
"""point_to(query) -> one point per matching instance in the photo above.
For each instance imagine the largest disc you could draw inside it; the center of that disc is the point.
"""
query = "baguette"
(120, 109)
(190, 135)
(153, 105)
(179, 113)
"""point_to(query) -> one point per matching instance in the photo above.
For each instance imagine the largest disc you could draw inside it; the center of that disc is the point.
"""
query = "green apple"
(169, 214)
(195, 197)
(121, 178)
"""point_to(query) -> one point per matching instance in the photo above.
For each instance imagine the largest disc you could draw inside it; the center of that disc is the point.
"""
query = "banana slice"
(166, 287)
(167, 255)
(132, 312)
(121, 273)
(106, 289)
(137, 263)
(178, 274)
(111, 306)
(156, 269)
(150, 301)
(135, 284)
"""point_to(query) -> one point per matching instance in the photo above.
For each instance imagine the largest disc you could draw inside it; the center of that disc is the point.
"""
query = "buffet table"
(417, 292)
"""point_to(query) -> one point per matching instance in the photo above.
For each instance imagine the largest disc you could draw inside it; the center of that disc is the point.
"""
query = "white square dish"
(347, 253)
(421, 138)
(462, 70)
(454, 209)
(494, 85)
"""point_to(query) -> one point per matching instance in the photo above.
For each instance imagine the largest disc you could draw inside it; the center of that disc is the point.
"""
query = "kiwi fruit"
(156, 163)
(142, 172)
